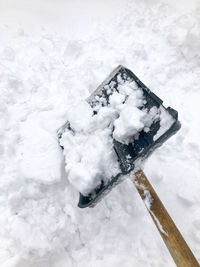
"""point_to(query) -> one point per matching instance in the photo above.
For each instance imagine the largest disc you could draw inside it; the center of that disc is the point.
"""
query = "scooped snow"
(130, 119)
(88, 146)
(88, 149)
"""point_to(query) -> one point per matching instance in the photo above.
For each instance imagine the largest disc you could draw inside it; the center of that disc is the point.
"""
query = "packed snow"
(54, 54)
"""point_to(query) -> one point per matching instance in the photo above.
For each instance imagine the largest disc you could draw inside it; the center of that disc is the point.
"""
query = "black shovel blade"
(143, 145)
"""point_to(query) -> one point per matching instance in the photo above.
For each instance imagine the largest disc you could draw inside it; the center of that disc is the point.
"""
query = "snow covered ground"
(53, 54)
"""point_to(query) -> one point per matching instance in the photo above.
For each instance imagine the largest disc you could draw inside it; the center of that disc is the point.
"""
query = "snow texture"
(54, 54)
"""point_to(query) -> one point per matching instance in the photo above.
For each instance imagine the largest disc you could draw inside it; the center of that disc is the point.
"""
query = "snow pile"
(45, 70)
(88, 149)
(87, 141)
(131, 117)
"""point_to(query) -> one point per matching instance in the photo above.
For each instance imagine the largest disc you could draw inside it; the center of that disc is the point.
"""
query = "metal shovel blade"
(141, 147)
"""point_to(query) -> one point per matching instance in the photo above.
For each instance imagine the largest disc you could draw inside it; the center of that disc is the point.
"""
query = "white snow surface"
(53, 56)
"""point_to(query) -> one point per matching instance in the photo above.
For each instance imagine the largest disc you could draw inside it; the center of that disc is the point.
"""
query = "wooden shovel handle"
(173, 239)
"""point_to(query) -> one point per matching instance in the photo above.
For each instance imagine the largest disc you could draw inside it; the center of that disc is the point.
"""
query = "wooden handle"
(173, 239)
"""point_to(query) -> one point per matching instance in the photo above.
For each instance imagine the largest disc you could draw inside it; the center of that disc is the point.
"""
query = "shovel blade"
(142, 146)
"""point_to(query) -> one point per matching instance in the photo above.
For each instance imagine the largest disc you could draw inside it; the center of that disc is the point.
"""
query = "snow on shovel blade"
(142, 145)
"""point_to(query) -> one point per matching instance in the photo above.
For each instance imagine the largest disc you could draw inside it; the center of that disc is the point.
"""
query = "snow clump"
(88, 142)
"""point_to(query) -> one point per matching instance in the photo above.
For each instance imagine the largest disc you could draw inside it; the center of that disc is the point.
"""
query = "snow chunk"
(89, 158)
(80, 178)
(131, 119)
(124, 126)
(40, 157)
(116, 99)
(80, 122)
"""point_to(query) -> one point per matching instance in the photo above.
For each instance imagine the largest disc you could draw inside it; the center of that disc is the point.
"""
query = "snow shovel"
(129, 154)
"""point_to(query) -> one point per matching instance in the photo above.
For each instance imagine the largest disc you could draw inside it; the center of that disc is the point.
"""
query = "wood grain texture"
(178, 248)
